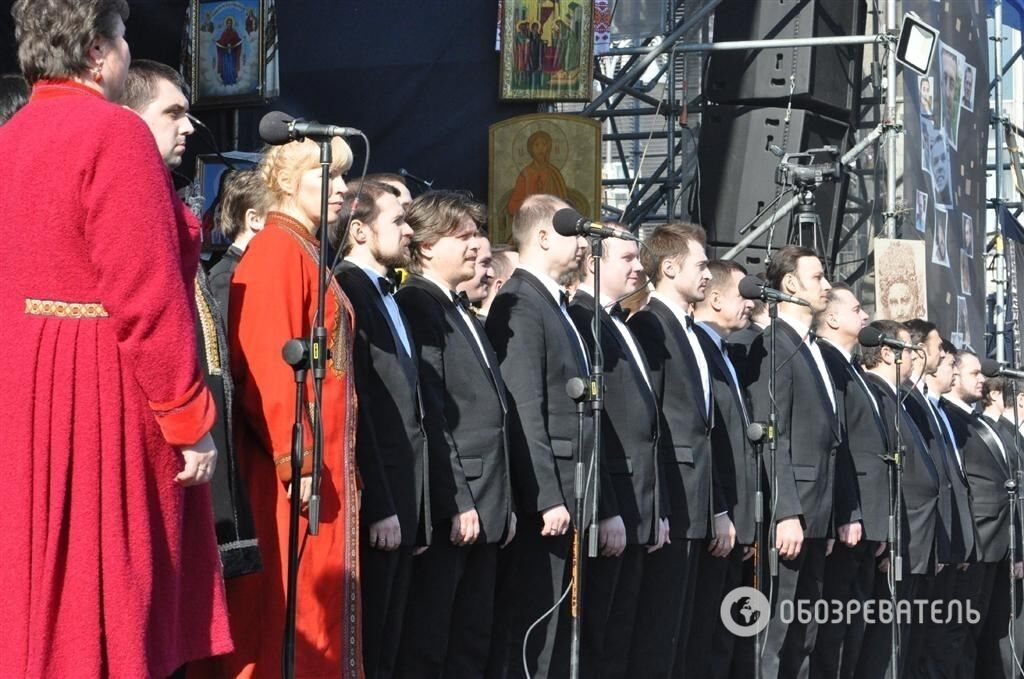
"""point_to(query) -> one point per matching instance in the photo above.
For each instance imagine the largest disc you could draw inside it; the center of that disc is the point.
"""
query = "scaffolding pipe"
(1003, 329)
(731, 45)
(641, 65)
(890, 120)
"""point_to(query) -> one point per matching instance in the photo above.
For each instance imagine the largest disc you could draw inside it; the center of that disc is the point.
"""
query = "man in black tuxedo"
(637, 520)
(986, 460)
(391, 443)
(539, 351)
(712, 650)
(861, 484)
(808, 436)
(450, 608)
(919, 503)
(676, 265)
(1008, 424)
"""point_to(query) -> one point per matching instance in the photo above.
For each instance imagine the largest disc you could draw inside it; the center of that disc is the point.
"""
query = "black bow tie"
(689, 322)
(461, 299)
(811, 336)
(387, 286)
(617, 311)
(563, 298)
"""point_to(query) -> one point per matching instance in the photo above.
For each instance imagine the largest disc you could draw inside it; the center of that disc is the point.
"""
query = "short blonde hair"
(281, 164)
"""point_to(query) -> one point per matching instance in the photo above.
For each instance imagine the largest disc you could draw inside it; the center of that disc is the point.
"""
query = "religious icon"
(900, 279)
(555, 154)
(547, 49)
(228, 57)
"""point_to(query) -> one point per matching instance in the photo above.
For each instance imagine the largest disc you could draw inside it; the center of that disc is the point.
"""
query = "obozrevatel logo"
(745, 611)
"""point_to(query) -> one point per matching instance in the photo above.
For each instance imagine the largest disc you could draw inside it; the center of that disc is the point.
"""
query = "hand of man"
(724, 537)
(882, 546)
(663, 536)
(748, 552)
(511, 534)
(556, 521)
(386, 534)
(611, 536)
(305, 491)
(851, 533)
(1018, 570)
(883, 565)
(829, 546)
(465, 528)
(200, 461)
(789, 538)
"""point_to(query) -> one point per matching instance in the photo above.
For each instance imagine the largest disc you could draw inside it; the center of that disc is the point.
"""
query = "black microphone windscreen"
(870, 337)
(274, 128)
(990, 367)
(566, 221)
(751, 287)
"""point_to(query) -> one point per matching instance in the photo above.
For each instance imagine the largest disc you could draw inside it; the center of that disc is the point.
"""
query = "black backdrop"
(420, 78)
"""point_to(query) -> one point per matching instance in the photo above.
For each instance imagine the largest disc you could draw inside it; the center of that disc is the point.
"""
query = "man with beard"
(633, 519)
(677, 265)
(391, 443)
(861, 483)
(450, 609)
(538, 350)
(807, 438)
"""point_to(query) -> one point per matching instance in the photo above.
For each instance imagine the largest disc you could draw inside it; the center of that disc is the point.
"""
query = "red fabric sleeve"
(133, 233)
(270, 297)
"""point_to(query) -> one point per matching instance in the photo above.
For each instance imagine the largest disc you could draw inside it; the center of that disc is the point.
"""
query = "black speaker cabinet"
(737, 171)
(827, 78)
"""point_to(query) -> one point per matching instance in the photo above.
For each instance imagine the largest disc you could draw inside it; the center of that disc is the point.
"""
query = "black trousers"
(611, 595)
(788, 646)
(385, 586)
(450, 610)
(665, 603)
(710, 647)
(947, 641)
(875, 659)
(993, 658)
(849, 576)
(534, 572)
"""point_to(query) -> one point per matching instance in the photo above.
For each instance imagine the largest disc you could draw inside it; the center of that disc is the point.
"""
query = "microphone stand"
(314, 359)
(1011, 492)
(895, 529)
(577, 391)
(756, 434)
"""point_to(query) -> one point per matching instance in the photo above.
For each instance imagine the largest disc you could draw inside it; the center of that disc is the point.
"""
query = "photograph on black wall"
(951, 66)
(940, 246)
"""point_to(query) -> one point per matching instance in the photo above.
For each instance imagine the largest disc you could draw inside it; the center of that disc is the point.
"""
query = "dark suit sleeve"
(608, 503)
(847, 498)
(377, 500)
(517, 334)
(651, 340)
(449, 490)
(788, 504)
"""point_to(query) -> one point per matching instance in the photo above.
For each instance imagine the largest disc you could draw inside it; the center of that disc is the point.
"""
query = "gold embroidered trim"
(209, 328)
(286, 459)
(48, 307)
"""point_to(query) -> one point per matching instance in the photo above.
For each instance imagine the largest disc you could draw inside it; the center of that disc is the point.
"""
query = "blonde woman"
(273, 299)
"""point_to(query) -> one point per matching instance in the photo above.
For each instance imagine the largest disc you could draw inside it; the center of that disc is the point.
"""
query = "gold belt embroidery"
(49, 307)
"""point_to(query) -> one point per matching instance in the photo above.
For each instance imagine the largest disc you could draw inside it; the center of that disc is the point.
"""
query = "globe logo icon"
(745, 611)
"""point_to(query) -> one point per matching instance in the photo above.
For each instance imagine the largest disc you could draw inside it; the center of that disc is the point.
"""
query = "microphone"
(428, 183)
(278, 127)
(873, 337)
(752, 287)
(993, 368)
(568, 222)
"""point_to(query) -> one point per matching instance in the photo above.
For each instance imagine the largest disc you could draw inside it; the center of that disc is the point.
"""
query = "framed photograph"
(924, 84)
(967, 84)
(968, 235)
(940, 246)
(211, 170)
(950, 71)
(900, 279)
(228, 66)
(547, 50)
(921, 214)
(933, 145)
(553, 153)
(965, 274)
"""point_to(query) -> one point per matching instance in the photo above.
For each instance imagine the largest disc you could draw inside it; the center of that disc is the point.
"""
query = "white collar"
(846, 354)
(712, 333)
(959, 404)
(892, 387)
(371, 273)
(550, 284)
(678, 311)
(444, 287)
(800, 327)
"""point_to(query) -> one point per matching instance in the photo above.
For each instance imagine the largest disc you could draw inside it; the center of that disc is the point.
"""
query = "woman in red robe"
(273, 299)
(108, 559)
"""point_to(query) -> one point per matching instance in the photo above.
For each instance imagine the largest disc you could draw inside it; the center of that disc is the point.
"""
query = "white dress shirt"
(803, 331)
(720, 343)
(856, 373)
(389, 303)
(944, 420)
(702, 361)
(463, 314)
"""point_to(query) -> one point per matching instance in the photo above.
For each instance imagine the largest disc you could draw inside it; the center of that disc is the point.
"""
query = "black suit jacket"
(921, 482)
(538, 352)
(986, 472)
(862, 475)
(686, 422)
(809, 432)
(963, 503)
(732, 454)
(629, 428)
(949, 544)
(391, 444)
(466, 410)
(220, 278)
